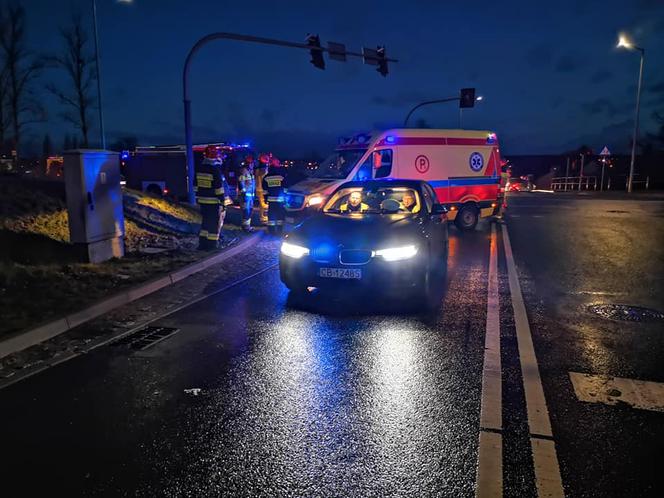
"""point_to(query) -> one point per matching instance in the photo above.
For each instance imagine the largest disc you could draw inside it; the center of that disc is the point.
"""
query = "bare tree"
(21, 68)
(4, 90)
(78, 63)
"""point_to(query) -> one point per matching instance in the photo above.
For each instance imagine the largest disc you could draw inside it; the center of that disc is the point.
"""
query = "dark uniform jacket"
(273, 186)
(209, 185)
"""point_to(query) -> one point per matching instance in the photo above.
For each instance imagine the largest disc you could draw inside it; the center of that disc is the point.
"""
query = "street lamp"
(101, 112)
(625, 42)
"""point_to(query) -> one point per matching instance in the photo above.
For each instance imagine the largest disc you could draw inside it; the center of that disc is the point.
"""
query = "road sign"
(605, 151)
(337, 51)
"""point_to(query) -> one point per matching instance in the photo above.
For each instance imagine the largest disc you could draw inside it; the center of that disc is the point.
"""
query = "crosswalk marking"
(545, 460)
(490, 454)
(639, 394)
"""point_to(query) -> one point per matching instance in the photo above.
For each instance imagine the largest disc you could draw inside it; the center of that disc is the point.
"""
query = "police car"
(376, 236)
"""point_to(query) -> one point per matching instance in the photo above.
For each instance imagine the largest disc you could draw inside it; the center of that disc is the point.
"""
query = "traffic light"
(316, 53)
(467, 98)
(382, 61)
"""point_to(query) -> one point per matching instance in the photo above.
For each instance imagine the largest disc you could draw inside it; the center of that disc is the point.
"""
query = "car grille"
(294, 201)
(354, 257)
(323, 254)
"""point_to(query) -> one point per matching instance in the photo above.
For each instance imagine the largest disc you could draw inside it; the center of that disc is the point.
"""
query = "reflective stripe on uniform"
(219, 191)
(205, 176)
(274, 181)
(208, 200)
(212, 236)
(203, 233)
(272, 198)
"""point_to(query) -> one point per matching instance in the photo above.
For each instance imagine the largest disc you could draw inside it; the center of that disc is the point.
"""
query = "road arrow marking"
(639, 394)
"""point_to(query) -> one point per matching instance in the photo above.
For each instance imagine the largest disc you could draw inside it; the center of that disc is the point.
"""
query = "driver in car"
(408, 203)
(354, 204)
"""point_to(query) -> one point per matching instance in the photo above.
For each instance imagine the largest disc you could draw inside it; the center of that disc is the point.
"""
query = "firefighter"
(354, 203)
(246, 187)
(273, 185)
(259, 173)
(210, 197)
(501, 201)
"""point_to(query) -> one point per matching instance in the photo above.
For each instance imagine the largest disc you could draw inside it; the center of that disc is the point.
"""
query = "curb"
(58, 326)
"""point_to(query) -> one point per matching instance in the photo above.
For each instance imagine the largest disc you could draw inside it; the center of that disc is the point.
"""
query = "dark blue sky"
(549, 73)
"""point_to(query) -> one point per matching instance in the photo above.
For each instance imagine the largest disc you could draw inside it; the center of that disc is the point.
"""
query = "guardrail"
(636, 183)
(565, 183)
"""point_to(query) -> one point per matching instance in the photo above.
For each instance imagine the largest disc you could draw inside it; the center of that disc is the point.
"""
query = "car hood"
(313, 185)
(372, 231)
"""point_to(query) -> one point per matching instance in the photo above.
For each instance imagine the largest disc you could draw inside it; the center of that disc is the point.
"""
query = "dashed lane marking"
(545, 459)
(490, 454)
(639, 394)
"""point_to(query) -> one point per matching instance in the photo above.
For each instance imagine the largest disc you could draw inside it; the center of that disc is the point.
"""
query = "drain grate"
(146, 337)
(625, 312)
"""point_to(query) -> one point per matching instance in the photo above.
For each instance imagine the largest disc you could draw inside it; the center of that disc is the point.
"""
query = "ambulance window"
(364, 173)
(382, 160)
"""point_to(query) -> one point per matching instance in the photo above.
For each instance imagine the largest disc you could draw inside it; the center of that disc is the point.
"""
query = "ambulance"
(463, 167)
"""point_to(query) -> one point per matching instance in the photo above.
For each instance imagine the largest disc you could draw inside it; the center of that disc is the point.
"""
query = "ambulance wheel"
(467, 218)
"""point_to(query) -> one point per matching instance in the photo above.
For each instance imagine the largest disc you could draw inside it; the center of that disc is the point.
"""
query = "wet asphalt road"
(346, 398)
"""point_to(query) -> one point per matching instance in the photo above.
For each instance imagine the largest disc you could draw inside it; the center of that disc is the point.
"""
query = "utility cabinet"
(94, 203)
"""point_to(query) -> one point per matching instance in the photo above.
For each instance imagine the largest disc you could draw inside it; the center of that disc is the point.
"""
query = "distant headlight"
(315, 200)
(397, 253)
(293, 251)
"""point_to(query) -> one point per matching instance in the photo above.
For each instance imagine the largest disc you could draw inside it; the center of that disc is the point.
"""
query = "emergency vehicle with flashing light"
(162, 170)
(463, 166)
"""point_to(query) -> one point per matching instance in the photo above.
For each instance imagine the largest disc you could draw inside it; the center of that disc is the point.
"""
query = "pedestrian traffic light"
(382, 61)
(316, 51)
(467, 98)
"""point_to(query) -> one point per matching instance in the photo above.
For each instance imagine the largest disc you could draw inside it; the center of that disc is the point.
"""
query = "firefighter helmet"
(211, 152)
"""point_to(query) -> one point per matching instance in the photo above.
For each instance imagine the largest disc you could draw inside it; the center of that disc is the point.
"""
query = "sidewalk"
(259, 255)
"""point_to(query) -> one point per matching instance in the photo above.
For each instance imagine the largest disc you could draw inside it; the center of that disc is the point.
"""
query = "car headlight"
(293, 250)
(397, 253)
(315, 200)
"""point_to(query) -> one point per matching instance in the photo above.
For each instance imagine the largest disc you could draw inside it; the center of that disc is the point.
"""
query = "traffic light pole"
(185, 86)
(421, 104)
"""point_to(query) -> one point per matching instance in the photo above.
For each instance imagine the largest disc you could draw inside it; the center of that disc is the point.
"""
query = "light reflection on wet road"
(292, 403)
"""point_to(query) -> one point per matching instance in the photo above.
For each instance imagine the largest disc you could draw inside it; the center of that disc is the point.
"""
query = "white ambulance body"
(461, 165)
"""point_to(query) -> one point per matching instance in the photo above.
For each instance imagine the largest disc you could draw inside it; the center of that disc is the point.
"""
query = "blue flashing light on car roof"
(390, 139)
(124, 155)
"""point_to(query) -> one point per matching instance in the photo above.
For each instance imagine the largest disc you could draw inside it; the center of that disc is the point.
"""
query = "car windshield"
(339, 164)
(381, 200)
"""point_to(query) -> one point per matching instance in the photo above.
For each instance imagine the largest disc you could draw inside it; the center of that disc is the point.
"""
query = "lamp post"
(101, 111)
(97, 65)
(624, 42)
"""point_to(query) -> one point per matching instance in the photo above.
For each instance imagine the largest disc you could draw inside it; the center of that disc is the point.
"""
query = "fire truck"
(161, 170)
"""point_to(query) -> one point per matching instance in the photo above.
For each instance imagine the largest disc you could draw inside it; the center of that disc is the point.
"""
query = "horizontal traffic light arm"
(259, 39)
(421, 104)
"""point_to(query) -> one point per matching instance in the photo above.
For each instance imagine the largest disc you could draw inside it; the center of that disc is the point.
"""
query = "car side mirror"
(438, 209)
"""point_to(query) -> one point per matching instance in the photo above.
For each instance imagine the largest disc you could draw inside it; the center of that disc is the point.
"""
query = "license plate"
(290, 219)
(343, 273)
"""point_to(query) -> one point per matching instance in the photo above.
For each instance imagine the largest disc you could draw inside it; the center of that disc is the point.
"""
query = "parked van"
(463, 167)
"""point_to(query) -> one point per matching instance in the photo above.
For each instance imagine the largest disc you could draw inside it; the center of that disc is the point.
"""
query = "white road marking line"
(547, 470)
(547, 473)
(639, 394)
(490, 454)
(492, 409)
(490, 466)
